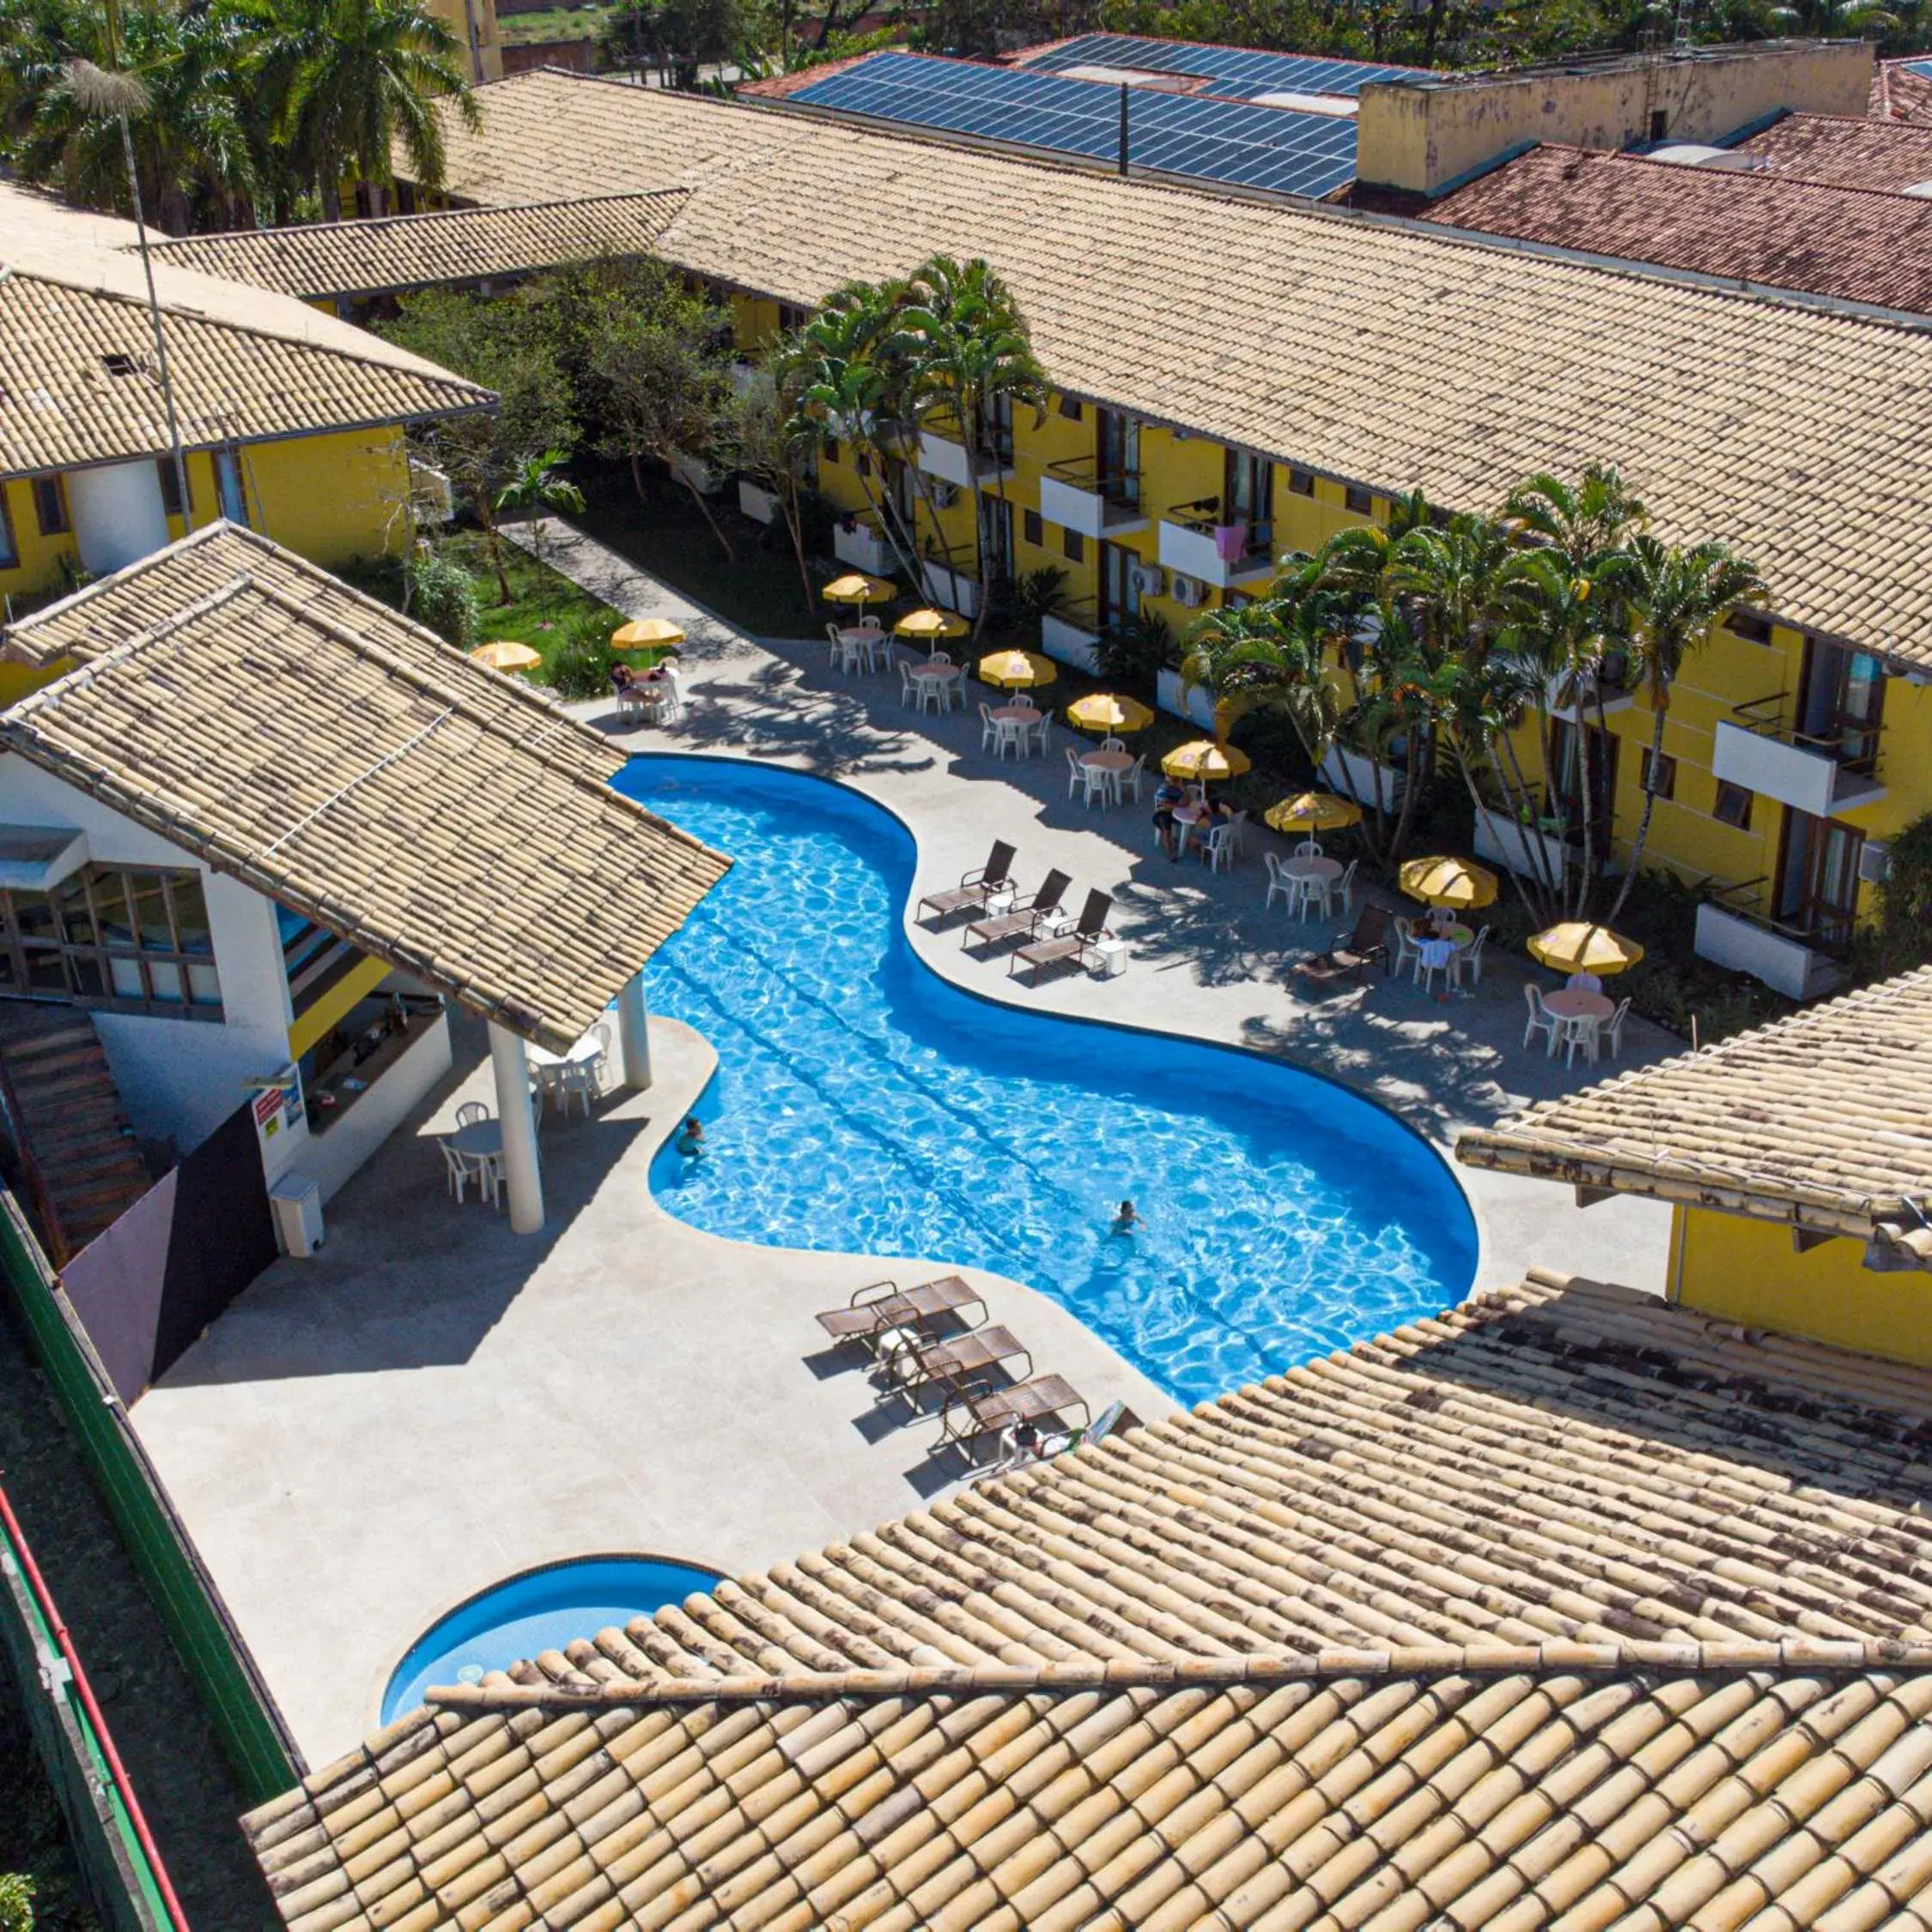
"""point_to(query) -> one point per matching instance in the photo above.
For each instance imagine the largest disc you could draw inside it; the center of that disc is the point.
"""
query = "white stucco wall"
(180, 1079)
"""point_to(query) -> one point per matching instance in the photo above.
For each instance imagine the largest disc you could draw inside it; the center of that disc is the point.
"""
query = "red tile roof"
(1847, 151)
(1899, 94)
(1770, 228)
(781, 87)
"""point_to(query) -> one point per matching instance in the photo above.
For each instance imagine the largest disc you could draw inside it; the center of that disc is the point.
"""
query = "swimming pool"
(539, 1610)
(863, 1103)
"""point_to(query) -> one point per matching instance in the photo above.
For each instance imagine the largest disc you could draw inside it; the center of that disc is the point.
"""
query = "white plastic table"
(480, 1141)
(941, 677)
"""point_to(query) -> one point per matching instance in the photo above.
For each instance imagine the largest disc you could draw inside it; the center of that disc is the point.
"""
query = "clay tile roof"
(246, 706)
(1856, 244)
(1848, 152)
(1565, 1607)
(1902, 91)
(77, 381)
(1823, 1120)
(415, 251)
(1794, 434)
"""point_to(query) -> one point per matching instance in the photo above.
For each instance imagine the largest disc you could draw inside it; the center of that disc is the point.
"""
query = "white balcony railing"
(1079, 506)
(1223, 556)
(941, 457)
(863, 548)
(1067, 641)
(1781, 960)
(1794, 774)
(1525, 850)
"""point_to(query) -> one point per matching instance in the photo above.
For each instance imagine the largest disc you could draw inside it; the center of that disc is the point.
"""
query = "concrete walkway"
(1207, 959)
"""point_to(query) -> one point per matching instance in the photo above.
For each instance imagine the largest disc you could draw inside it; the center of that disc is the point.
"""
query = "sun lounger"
(884, 1305)
(1353, 955)
(967, 1416)
(1022, 922)
(976, 887)
(956, 1360)
(1076, 945)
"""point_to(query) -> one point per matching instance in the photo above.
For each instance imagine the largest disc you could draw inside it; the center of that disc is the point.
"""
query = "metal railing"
(1120, 487)
(1855, 747)
(1204, 517)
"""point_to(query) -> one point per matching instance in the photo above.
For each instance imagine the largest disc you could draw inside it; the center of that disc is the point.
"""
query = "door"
(1248, 494)
(1116, 454)
(1843, 704)
(1119, 597)
(1818, 878)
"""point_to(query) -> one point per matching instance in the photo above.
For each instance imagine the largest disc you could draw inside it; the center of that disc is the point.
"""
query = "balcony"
(1226, 554)
(945, 458)
(1357, 776)
(1746, 943)
(953, 590)
(1530, 851)
(861, 546)
(1823, 777)
(1195, 703)
(1078, 495)
(1599, 691)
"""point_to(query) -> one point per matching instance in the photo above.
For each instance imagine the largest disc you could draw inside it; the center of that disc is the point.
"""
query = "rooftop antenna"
(1123, 126)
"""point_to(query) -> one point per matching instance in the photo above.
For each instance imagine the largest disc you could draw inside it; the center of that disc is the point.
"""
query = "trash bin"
(296, 1202)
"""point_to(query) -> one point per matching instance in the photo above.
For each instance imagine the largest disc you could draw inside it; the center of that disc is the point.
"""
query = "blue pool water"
(863, 1103)
(541, 1610)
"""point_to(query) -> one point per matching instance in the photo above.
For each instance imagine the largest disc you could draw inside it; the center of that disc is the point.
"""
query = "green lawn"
(546, 24)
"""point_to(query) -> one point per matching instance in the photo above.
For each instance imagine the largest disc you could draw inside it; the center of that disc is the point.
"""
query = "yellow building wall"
(1748, 1272)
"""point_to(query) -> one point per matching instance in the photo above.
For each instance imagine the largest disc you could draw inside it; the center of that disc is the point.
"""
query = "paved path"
(1208, 960)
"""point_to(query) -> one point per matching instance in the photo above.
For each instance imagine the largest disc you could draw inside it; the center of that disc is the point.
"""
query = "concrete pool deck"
(432, 1403)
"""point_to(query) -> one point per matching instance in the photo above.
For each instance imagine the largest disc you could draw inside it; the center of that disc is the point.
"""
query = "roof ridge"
(1761, 177)
(1683, 1658)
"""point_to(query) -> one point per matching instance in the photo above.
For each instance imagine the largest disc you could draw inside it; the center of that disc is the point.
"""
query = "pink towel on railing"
(1231, 542)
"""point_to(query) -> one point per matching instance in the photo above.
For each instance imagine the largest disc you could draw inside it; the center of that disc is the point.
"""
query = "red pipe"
(116, 1770)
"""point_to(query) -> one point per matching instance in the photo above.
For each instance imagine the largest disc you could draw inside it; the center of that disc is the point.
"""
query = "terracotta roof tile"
(1846, 151)
(246, 706)
(1859, 244)
(405, 251)
(1900, 94)
(1824, 1120)
(1296, 1659)
(1790, 433)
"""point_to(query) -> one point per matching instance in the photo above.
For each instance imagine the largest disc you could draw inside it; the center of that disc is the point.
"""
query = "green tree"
(677, 38)
(1675, 596)
(767, 446)
(507, 346)
(347, 82)
(538, 483)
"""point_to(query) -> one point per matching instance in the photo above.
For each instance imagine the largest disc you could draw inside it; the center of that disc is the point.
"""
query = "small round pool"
(540, 1610)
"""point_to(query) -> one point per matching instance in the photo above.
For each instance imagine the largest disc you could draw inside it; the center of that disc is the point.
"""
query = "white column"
(634, 1032)
(522, 1175)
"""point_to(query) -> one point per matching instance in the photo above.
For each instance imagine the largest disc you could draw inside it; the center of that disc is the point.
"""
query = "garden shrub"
(1135, 653)
(443, 596)
(580, 667)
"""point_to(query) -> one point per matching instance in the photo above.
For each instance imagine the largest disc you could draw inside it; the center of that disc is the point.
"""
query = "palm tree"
(972, 364)
(1675, 596)
(539, 484)
(348, 82)
(1270, 655)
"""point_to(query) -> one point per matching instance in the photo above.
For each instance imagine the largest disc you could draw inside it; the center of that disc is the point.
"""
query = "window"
(50, 505)
(405, 197)
(1660, 120)
(831, 449)
(228, 486)
(1362, 502)
(1748, 625)
(1734, 804)
(1818, 878)
(1658, 774)
(137, 941)
(790, 317)
(9, 550)
(1301, 482)
(1070, 408)
(170, 485)
(118, 362)
(1035, 528)
(1074, 546)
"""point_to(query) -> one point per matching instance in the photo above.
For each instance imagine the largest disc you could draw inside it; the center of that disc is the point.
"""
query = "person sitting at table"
(1167, 827)
(620, 678)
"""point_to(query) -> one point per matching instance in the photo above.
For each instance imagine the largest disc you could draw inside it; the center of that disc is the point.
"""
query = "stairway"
(65, 1108)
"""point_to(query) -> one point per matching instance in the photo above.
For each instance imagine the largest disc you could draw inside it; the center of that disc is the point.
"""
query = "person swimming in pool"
(691, 1139)
(1129, 1218)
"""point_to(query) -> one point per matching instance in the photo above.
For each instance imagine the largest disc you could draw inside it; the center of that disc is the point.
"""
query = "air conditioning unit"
(1189, 591)
(1874, 862)
(1148, 579)
(944, 495)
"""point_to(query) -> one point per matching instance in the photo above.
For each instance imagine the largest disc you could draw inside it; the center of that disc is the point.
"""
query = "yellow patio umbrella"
(1460, 884)
(645, 634)
(505, 655)
(1102, 712)
(929, 626)
(856, 587)
(1202, 759)
(1313, 811)
(1574, 947)
(1018, 671)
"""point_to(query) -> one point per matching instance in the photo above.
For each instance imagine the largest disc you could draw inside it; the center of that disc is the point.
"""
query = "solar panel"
(1201, 136)
(1235, 73)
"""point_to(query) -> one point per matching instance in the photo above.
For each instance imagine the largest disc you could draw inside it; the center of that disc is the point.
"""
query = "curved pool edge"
(394, 1661)
(924, 944)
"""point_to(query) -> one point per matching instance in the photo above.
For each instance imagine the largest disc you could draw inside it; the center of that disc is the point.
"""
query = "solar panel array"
(1212, 140)
(1234, 72)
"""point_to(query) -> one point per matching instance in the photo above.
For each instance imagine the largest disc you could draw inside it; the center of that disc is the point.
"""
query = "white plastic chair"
(1085, 778)
(1037, 733)
(471, 1113)
(673, 695)
(1279, 881)
(1131, 778)
(1216, 849)
(1432, 957)
(1318, 890)
(909, 691)
(1541, 1019)
(1407, 950)
(1580, 1032)
(869, 620)
(458, 1170)
(1309, 849)
(1237, 833)
(989, 727)
(582, 1079)
(1613, 1029)
(1471, 960)
(1345, 886)
(835, 652)
(931, 693)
